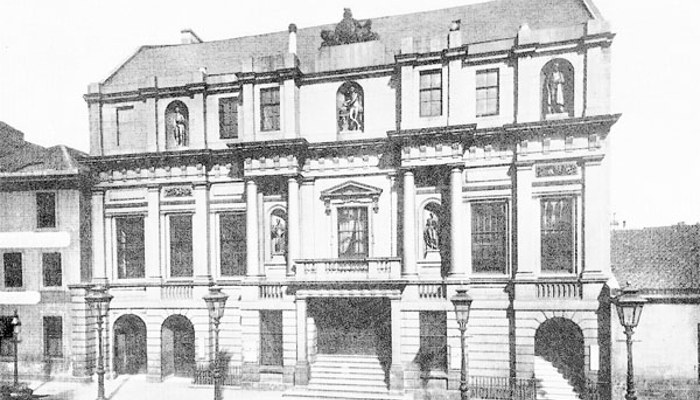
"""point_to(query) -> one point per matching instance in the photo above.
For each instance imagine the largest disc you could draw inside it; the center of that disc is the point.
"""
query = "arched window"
(431, 229)
(350, 102)
(557, 79)
(177, 124)
(278, 232)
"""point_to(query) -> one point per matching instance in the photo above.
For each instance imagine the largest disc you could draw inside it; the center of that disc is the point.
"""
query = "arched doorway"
(177, 346)
(560, 342)
(130, 345)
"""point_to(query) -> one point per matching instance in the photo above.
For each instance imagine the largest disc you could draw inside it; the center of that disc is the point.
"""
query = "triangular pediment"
(351, 189)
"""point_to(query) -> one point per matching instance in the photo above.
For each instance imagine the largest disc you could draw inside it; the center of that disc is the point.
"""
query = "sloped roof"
(20, 156)
(494, 20)
(665, 257)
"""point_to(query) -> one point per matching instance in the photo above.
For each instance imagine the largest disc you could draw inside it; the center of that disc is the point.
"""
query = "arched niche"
(177, 125)
(350, 107)
(557, 81)
(130, 354)
(278, 232)
(431, 223)
(177, 346)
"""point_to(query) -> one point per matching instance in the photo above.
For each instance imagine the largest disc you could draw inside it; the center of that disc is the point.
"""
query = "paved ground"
(136, 388)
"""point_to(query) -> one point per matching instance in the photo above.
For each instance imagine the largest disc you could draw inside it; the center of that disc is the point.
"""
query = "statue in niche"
(349, 30)
(278, 235)
(350, 107)
(556, 100)
(179, 125)
(430, 233)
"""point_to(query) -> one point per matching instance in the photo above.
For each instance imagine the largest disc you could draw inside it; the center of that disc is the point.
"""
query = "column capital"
(96, 192)
(201, 185)
(153, 187)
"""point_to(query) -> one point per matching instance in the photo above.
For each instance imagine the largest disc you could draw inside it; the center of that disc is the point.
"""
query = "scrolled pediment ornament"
(349, 30)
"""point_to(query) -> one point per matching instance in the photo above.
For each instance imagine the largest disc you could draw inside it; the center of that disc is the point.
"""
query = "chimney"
(187, 36)
(455, 37)
(292, 39)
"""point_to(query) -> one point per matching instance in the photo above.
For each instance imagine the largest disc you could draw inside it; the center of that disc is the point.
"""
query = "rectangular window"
(232, 242)
(125, 124)
(557, 235)
(433, 340)
(487, 92)
(430, 93)
(271, 337)
(13, 269)
(131, 257)
(6, 336)
(181, 246)
(46, 210)
(353, 232)
(53, 274)
(228, 118)
(489, 237)
(270, 109)
(53, 336)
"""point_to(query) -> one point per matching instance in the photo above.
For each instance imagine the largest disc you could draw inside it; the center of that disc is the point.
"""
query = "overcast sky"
(51, 50)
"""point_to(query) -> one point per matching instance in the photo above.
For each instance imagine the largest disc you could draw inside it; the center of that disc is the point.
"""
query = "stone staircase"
(551, 384)
(344, 377)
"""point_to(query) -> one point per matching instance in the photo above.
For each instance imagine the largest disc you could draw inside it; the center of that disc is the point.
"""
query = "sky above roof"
(50, 51)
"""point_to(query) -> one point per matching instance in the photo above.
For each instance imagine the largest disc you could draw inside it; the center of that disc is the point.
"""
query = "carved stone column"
(457, 240)
(396, 381)
(301, 372)
(409, 225)
(252, 225)
(99, 272)
(293, 223)
(200, 233)
(152, 234)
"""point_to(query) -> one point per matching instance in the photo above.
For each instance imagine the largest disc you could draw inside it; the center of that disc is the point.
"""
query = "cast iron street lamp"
(462, 303)
(629, 308)
(98, 299)
(16, 328)
(216, 300)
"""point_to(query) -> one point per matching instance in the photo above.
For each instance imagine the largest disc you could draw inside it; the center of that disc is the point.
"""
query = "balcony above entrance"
(375, 268)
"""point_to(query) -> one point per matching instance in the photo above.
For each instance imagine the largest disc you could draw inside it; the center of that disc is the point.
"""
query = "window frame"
(572, 236)
(126, 125)
(6, 265)
(271, 105)
(140, 247)
(47, 335)
(367, 239)
(6, 341)
(504, 240)
(40, 214)
(497, 87)
(170, 247)
(44, 270)
(430, 89)
(220, 243)
(424, 339)
(234, 101)
(276, 319)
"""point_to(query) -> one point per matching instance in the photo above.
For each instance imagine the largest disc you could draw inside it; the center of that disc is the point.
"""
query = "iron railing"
(204, 375)
(498, 388)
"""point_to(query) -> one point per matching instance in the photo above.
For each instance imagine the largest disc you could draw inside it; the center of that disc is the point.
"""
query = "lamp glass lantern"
(216, 301)
(16, 326)
(98, 299)
(629, 307)
(462, 303)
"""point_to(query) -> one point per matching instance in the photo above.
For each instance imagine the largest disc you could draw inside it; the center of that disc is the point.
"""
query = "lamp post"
(216, 301)
(16, 328)
(629, 308)
(462, 303)
(98, 299)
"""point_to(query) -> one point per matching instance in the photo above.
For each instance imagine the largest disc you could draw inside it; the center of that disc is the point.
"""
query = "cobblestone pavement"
(136, 388)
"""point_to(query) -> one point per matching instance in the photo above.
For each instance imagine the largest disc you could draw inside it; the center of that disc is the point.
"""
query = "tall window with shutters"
(353, 232)
(489, 237)
(232, 244)
(53, 336)
(271, 353)
(130, 247)
(180, 226)
(228, 118)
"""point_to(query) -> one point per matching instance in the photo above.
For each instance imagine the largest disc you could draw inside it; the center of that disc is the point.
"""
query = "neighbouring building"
(663, 263)
(340, 182)
(44, 242)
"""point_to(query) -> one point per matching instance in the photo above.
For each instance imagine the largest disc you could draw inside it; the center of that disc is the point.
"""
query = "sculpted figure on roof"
(349, 30)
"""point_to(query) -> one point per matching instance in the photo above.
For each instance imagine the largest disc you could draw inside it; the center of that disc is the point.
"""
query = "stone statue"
(349, 30)
(179, 127)
(556, 101)
(430, 234)
(351, 111)
(278, 235)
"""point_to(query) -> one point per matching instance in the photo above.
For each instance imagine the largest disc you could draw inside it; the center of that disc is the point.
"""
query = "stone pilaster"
(252, 225)
(409, 224)
(292, 223)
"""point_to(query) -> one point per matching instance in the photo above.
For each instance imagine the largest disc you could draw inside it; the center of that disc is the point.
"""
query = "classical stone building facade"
(340, 183)
(44, 232)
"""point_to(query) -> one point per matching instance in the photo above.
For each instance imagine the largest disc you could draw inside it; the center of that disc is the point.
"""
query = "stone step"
(347, 364)
(348, 387)
(301, 394)
(320, 376)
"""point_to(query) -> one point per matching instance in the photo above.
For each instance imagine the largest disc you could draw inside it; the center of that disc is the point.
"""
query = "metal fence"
(204, 375)
(497, 388)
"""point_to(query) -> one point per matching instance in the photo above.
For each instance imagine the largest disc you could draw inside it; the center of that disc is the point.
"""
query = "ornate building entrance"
(129, 345)
(177, 346)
